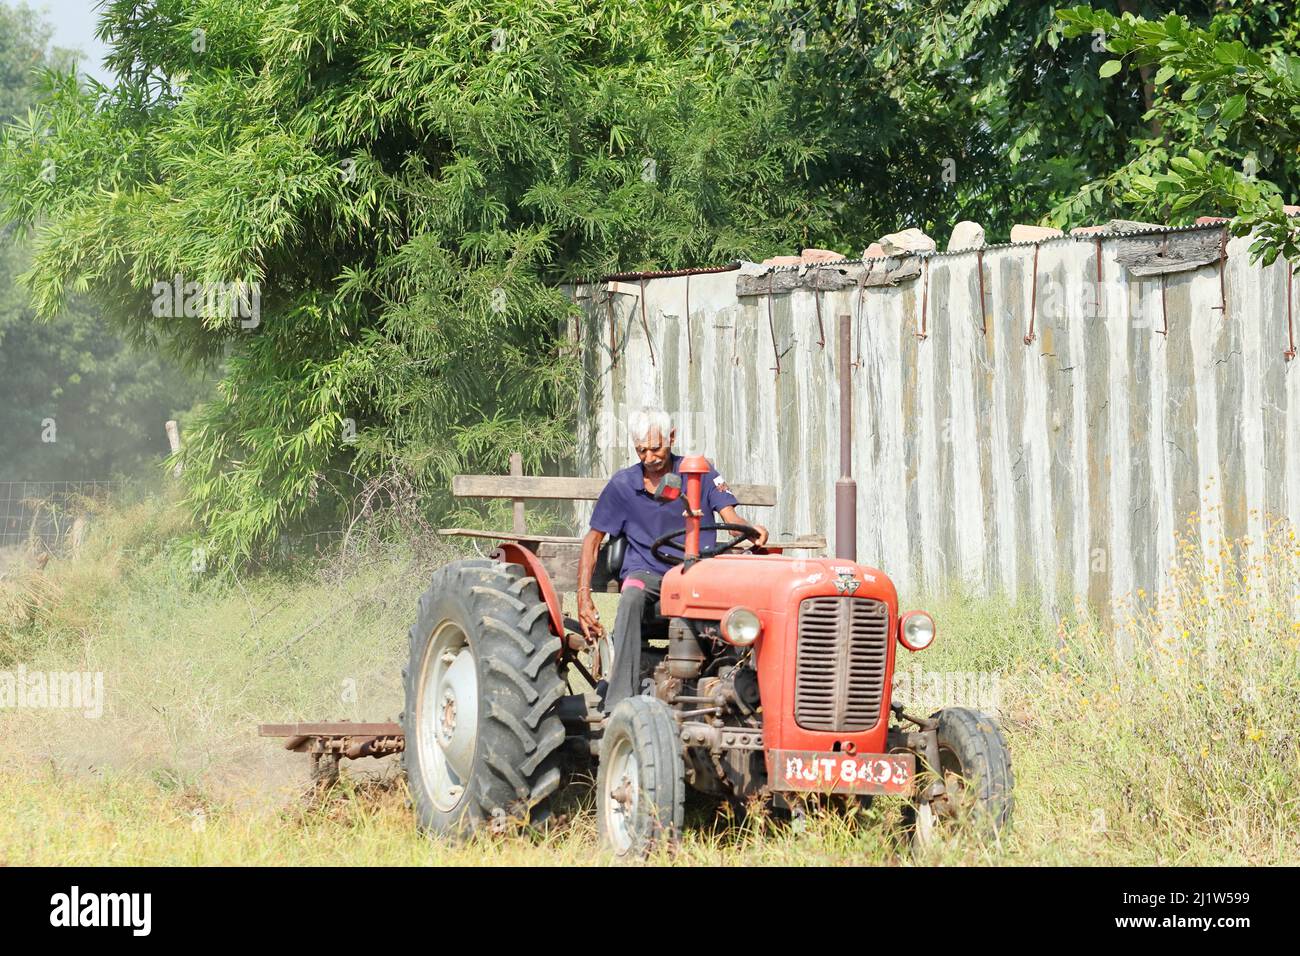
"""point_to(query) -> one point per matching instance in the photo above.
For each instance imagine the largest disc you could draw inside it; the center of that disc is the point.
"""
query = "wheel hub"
(447, 722)
(621, 795)
(448, 715)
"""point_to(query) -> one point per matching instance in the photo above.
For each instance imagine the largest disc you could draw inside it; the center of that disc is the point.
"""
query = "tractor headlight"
(916, 630)
(741, 626)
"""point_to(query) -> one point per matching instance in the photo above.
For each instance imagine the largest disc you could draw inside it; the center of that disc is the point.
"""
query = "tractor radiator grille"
(842, 654)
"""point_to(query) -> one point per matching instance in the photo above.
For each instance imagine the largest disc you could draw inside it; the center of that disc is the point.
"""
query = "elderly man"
(628, 506)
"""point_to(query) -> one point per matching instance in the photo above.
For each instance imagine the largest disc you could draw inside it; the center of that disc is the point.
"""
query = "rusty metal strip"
(984, 314)
(735, 336)
(925, 305)
(1289, 352)
(646, 325)
(1033, 301)
(1100, 293)
(857, 323)
(771, 326)
(1164, 303)
(821, 332)
(670, 273)
(1223, 284)
(690, 351)
(613, 338)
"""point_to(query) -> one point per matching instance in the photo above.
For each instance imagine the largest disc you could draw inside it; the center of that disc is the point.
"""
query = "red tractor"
(775, 683)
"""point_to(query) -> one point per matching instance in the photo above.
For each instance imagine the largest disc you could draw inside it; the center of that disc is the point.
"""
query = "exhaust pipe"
(846, 489)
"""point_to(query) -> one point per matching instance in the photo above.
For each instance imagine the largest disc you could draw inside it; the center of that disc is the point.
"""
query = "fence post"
(516, 471)
(174, 439)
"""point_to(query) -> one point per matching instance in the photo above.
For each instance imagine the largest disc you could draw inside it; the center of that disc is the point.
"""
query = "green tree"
(931, 111)
(1226, 116)
(70, 378)
(403, 185)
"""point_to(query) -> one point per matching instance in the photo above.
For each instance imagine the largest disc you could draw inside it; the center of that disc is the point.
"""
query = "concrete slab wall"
(1063, 466)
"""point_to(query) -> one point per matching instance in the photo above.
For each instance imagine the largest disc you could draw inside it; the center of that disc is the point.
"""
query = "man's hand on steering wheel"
(729, 515)
(742, 532)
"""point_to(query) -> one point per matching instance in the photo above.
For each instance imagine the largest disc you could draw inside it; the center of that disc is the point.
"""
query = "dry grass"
(1164, 738)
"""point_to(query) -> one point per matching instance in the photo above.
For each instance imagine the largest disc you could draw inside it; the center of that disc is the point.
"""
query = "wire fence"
(43, 515)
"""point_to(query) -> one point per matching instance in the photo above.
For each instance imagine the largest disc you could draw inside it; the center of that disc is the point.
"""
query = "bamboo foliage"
(403, 184)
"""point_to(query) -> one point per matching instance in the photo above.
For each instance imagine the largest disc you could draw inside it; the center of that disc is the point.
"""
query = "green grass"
(1143, 741)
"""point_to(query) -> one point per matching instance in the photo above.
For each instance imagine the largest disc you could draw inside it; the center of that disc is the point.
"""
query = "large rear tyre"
(976, 766)
(641, 782)
(482, 735)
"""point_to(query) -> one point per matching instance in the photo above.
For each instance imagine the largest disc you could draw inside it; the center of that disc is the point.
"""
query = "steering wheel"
(746, 533)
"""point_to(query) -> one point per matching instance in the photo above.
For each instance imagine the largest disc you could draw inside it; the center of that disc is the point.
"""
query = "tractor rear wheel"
(641, 782)
(976, 767)
(482, 735)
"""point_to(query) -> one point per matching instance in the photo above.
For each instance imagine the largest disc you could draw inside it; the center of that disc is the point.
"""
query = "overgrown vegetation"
(1164, 737)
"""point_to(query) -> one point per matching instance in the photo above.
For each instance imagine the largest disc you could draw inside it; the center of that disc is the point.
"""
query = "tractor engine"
(779, 671)
(714, 688)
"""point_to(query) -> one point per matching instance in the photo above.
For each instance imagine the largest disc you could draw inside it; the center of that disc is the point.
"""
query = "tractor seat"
(614, 551)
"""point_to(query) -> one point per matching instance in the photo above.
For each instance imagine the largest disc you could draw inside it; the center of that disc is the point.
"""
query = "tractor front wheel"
(641, 782)
(976, 767)
(482, 734)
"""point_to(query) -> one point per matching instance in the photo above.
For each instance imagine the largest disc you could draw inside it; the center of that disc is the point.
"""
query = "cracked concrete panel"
(913, 404)
(1073, 459)
(1013, 313)
(1119, 557)
(1060, 376)
(969, 432)
(793, 458)
(1228, 386)
(885, 336)
(1001, 340)
(1097, 454)
(981, 346)
(1142, 504)
(944, 415)
(1181, 417)
(1271, 377)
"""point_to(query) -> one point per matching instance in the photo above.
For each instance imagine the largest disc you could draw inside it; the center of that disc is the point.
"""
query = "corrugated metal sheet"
(1063, 466)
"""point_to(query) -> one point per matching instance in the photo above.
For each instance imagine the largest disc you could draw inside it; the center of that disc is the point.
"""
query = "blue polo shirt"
(625, 507)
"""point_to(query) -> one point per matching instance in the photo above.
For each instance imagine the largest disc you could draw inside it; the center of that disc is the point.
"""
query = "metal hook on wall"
(925, 303)
(1164, 303)
(1289, 352)
(984, 315)
(690, 351)
(1033, 301)
(771, 326)
(613, 337)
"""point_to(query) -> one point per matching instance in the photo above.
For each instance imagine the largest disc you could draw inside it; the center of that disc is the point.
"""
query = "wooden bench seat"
(559, 554)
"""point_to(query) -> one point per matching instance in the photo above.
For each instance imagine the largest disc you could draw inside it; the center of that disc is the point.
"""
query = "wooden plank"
(508, 536)
(803, 542)
(580, 489)
(1171, 252)
(829, 277)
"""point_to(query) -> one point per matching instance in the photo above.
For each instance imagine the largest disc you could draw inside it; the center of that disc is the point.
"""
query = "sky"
(74, 29)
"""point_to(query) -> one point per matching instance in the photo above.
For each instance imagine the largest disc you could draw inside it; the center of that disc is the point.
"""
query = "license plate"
(842, 773)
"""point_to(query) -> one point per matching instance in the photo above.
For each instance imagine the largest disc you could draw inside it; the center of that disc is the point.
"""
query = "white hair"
(641, 424)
